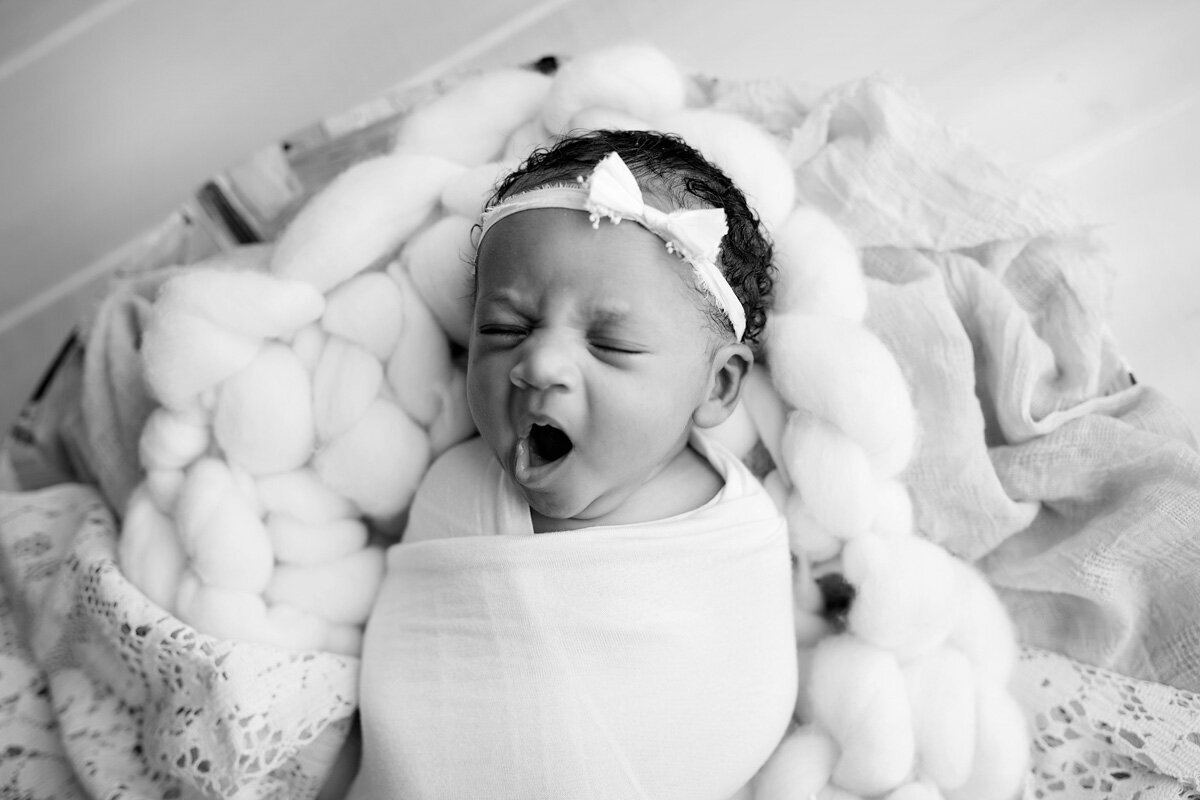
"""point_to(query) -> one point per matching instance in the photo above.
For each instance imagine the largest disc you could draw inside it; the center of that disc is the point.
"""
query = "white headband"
(612, 191)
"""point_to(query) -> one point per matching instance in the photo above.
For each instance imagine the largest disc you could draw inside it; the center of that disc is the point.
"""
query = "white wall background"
(112, 111)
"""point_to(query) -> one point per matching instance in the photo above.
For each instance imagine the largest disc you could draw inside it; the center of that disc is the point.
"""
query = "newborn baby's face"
(588, 355)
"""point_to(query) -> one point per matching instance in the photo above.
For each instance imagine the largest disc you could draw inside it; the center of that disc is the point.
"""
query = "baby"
(645, 647)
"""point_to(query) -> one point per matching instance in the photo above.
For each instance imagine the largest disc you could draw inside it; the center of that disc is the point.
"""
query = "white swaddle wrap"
(653, 660)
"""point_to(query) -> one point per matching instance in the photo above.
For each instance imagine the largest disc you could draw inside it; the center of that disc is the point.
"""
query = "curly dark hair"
(668, 168)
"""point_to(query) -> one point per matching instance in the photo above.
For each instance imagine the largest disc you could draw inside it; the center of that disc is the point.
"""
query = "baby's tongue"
(522, 460)
(543, 445)
(527, 459)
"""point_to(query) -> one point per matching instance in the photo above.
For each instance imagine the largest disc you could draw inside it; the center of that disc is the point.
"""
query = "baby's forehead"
(597, 310)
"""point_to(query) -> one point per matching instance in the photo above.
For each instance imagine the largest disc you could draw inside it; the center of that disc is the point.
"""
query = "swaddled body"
(643, 647)
(648, 660)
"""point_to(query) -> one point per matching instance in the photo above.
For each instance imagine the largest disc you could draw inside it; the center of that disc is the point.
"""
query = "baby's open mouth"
(547, 444)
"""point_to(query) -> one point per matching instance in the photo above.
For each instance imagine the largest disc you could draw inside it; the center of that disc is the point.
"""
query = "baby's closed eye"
(615, 347)
(502, 331)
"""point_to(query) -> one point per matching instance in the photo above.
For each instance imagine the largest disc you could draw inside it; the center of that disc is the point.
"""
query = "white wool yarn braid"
(298, 400)
(295, 402)
(908, 698)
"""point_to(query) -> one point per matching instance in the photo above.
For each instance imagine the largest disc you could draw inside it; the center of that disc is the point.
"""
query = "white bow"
(694, 234)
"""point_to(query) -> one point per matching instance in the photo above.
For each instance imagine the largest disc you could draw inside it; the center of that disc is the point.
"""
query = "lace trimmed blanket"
(112, 698)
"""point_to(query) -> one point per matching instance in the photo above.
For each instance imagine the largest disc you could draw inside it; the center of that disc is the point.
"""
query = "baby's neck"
(687, 482)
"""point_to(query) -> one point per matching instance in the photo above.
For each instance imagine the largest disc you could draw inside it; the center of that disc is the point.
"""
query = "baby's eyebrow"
(504, 297)
(609, 316)
(613, 318)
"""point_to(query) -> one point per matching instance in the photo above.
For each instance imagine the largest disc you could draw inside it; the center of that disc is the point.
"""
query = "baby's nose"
(544, 364)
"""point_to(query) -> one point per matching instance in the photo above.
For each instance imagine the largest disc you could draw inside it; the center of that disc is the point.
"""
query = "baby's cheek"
(645, 421)
(481, 397)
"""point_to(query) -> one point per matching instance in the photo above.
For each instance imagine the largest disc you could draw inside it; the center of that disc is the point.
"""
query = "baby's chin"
(560, 513)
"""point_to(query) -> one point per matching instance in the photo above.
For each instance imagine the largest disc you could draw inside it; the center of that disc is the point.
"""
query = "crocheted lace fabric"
(102, 694)
(1098, 733)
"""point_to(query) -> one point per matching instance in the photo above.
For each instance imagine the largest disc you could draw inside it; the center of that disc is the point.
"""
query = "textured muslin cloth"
(651, 660)
(1076, 491)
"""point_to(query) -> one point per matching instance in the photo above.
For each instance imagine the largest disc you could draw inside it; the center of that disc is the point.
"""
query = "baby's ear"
(730, 365)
